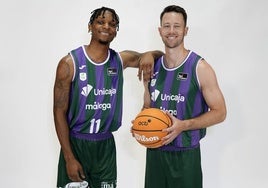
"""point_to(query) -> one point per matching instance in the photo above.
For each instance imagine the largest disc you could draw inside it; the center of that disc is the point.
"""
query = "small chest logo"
(83, 76)
(112, 71)
(182, 76)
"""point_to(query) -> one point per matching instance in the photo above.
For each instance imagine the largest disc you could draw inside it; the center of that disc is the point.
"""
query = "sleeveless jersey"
(96, 94)
(177, 91)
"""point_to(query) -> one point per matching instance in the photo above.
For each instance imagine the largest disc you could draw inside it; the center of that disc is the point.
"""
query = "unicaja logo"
(86, 90)
(178, 98)
(167, 97)
(155, 95)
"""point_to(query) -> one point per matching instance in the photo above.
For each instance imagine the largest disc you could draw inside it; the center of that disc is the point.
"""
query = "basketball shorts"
(98, 159)
(173, 169)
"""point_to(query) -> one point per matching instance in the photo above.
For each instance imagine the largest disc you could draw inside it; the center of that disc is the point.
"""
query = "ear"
(89, 28)
(159, 30)
(186, 31)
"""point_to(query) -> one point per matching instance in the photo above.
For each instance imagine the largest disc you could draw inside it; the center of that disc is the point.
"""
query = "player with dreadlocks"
(100, 12)
(87, 107)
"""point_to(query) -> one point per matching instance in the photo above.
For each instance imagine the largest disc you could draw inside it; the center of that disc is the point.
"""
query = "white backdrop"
(231, 35)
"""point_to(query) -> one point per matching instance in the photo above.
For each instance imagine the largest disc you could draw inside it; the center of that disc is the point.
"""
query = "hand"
(146, 67)
(173, 131)
(75, 170)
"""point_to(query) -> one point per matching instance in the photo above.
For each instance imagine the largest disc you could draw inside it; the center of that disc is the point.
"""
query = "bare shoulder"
(206, 74)
(204, 68)
(203, 65)
(65, 68)
(62, 83)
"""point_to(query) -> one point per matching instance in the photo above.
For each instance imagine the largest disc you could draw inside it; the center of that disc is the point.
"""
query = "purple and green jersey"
(96, 94)
(178, 91)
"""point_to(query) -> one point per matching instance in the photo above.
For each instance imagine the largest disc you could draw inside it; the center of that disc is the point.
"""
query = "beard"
(172, 44)
(169, 45)
(104, 42)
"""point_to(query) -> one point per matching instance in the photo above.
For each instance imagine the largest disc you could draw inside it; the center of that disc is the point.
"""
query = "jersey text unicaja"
(96, 94)
(177, 91)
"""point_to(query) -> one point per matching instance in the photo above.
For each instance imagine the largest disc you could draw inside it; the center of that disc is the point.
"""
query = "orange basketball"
(148, 125)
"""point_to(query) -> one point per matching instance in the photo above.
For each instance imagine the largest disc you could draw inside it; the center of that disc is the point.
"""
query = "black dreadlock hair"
(100, 11)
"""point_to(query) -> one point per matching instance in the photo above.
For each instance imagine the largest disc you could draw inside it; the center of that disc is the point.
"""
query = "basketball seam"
(147, 130)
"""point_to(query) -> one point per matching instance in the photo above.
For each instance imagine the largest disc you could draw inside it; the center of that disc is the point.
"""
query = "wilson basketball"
(148, 125)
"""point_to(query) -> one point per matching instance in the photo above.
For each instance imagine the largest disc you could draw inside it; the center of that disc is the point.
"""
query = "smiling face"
(173, 29)
(103, 28)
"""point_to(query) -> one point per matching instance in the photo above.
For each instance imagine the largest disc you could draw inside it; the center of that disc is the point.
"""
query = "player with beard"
(185, 86)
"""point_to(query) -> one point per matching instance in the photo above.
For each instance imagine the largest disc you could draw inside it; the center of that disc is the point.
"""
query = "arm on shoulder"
(143, 61)
(146, 96)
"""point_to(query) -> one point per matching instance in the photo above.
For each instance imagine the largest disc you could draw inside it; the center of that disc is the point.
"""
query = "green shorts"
(98, 159)
(170, 169)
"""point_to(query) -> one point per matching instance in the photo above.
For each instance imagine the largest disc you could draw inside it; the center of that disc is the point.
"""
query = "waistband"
(174, 148)
(92, 137)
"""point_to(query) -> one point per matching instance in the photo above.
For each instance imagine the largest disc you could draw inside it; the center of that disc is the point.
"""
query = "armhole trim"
(73, 67)
(196, 73)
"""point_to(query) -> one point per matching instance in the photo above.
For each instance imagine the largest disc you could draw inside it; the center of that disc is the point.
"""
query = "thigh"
(154, 172)
(183, 168)
(102, 169)
(173, 169)
(98, 159)
(192, 169)
(63, 179)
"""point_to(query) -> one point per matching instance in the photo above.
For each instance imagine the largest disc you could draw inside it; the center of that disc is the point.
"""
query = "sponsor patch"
(111, 71)
(182, 76)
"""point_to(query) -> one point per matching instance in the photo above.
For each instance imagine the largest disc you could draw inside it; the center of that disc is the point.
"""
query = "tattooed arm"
(64, 75)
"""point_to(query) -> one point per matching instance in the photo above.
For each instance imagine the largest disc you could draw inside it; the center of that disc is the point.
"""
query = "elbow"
(222, 115)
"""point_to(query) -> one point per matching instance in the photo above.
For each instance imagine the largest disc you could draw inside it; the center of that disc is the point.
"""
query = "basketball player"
(88, 104)
(185, 86)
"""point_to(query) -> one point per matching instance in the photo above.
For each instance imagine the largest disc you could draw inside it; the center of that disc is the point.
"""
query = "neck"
(97, 52)
(174, 58)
